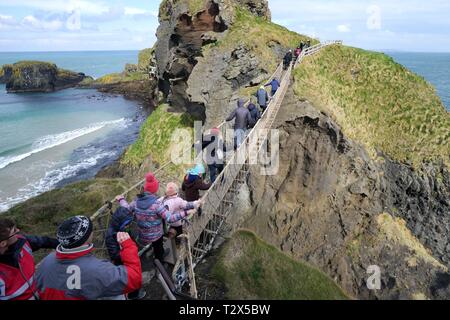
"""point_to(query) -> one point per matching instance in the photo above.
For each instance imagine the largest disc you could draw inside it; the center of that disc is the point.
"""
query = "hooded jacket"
(255, 114)
(149, 214)
(120, 220)
(275, 84)
(216, 149)
(288, 58)
(17, 270)
(78, 275)
(262, 97)
(192, 185)
(242, 116)
(176, 204)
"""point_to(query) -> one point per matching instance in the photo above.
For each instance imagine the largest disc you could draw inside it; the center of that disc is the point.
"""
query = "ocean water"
(50, 139)
(434, 67)
(92, 63)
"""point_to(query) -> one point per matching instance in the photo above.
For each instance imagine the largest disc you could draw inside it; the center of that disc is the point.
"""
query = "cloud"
(32, 22)
(343, 28)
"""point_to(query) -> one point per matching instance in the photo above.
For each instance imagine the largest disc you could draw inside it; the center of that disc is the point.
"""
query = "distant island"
(38, 76)
(136, 82)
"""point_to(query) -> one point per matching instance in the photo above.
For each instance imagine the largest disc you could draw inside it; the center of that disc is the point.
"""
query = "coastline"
(84, 165)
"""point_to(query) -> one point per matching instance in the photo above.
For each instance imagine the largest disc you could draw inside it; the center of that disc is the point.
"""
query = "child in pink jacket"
(176, 204)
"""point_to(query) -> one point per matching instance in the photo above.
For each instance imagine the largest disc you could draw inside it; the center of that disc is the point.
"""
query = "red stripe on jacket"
(130, 259)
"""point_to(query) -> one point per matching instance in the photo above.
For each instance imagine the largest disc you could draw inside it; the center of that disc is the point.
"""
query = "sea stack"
(37, 76)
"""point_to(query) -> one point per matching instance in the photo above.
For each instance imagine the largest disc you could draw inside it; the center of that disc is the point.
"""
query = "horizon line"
(125, 50)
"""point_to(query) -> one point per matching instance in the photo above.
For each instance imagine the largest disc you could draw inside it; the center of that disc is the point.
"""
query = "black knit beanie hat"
(74, 232)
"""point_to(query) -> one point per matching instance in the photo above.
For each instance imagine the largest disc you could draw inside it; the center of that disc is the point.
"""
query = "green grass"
(156, 136)
(377, 102)
(115, 78)
(196, 5)
(252, 269)
(145, 58)
(43, 214)
(257, 34)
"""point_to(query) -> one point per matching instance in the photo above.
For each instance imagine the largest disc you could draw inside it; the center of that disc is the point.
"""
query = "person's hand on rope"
(119, 198)
(190, 214)
(122, 237)
(199, 203)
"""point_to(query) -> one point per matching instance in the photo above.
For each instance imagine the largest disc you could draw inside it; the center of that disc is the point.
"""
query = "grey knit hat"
(74, 232)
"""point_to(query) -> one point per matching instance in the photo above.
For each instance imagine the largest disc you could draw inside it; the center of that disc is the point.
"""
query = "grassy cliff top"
(259, 35)
(194, 6)
(155, 138)
(377, 102)
(252, 269)
(29, 63)
(42, 215)
(114, 78)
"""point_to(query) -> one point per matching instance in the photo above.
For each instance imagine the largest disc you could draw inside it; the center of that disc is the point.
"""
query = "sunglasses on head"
(14, 234)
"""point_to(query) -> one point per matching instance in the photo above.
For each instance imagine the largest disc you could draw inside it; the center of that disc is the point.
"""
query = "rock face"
(5, 73)
(334, 207)
(34, 76)
(190, 81)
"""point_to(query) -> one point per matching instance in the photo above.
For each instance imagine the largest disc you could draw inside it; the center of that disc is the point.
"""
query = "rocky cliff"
(204, 60)
(35, 76)
(357, 185)
(333, 206)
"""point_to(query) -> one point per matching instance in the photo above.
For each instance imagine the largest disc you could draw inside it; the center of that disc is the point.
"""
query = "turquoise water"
(92, 63)
(434, 67)
(47, 140)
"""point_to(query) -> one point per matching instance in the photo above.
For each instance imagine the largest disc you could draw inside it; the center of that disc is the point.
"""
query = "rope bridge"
(201, 231)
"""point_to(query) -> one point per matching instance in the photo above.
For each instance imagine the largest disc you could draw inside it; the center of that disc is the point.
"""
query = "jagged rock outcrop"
(205, 86)
(35, 76)
(333, 206)
(5, 73)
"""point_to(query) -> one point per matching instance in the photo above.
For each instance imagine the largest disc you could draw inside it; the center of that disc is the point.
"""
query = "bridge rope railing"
(101, 218)
(202, 231)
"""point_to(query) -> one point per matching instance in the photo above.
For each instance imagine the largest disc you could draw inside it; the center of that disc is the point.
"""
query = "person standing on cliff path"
(17, 269)
(74, 273)
(241, 124)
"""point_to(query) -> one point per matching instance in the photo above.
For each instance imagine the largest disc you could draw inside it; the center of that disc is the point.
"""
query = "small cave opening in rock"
(185, 46)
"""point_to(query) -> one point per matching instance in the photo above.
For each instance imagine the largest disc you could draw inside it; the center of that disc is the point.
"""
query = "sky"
(73, 25)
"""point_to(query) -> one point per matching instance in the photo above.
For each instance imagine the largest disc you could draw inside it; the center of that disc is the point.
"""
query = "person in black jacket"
(215, 152)
(120, 222)
(287, 59)
(254, 112)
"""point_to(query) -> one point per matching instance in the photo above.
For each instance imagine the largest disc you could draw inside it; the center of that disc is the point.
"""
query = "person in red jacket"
(74, 273)
(17, 270)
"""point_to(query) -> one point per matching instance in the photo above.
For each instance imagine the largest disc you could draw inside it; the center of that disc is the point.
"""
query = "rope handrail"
(105, 207)
(201, 231)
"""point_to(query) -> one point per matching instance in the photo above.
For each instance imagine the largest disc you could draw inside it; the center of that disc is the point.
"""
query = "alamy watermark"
(374, 19)
(374, 280)
(227, 147)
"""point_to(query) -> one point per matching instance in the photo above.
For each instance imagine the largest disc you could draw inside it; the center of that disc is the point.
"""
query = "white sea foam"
(51, 179)
(51, 141)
